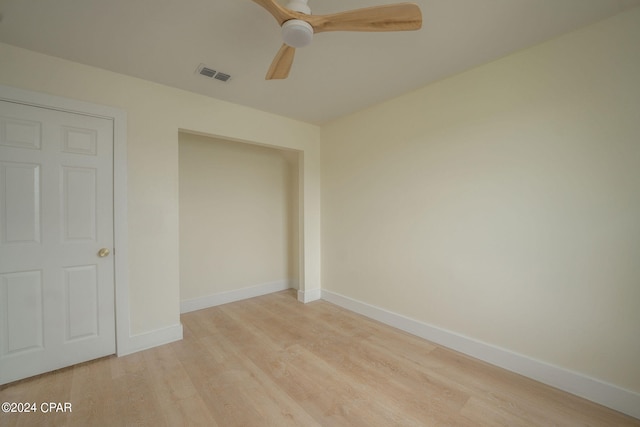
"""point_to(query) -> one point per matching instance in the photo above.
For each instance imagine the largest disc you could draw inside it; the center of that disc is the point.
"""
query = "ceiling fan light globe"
(297, 33)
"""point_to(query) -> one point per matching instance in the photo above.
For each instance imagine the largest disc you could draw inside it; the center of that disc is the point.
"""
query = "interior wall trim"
(220, 298)
(309, 295)
(147, 340)
(603, 393)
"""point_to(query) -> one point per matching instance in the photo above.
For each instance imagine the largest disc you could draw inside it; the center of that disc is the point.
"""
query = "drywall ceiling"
(165, 40)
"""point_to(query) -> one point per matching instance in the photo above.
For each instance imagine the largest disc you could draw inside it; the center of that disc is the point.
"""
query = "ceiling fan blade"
(280, 13)
(281, 64)
(393, 17)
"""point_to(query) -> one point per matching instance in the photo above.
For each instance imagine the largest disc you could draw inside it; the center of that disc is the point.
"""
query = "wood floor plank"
(96, 401)
(272, 361)
(178, 399)
(406, 392)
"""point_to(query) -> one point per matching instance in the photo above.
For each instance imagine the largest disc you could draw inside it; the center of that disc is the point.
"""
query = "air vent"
(207, 72)
(203, 70)
(222, 76)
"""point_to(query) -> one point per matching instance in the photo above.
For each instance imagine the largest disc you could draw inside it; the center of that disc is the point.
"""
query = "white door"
(56, 214)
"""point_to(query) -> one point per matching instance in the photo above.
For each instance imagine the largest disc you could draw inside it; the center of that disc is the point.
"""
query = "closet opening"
(239, 220)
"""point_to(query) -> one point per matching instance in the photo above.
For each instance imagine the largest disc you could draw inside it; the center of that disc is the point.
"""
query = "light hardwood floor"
(271, 361)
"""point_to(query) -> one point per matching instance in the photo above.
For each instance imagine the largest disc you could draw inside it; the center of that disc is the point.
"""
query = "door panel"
(82, 302)
(78, 200)
(20, 202)
(56, 212)
(20, 133)
(80, 141)
(22, 302)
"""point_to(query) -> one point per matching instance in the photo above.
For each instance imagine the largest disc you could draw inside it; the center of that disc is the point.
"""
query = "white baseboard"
(309, 295)
(194, 304)
(150, 339)
(597, 391)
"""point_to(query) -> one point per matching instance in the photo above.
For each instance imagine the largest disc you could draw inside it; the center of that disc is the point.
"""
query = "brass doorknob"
(103, 252)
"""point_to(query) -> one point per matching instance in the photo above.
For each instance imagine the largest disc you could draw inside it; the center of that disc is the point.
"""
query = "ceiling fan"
(299, 26)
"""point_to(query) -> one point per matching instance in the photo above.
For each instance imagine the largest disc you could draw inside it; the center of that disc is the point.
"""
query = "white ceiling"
(165, 40)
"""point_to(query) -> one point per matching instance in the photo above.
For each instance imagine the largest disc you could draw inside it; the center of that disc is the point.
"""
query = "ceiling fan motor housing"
(297, 33)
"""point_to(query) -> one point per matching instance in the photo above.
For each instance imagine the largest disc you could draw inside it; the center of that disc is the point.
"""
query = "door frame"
(119, 119)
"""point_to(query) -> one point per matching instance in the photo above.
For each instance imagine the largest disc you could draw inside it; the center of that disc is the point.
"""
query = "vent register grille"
(212, 74)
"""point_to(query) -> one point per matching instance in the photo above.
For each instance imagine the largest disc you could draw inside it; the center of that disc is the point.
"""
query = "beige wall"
(156, 113)
(238, 216)
(502, 203)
